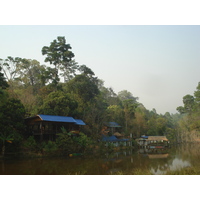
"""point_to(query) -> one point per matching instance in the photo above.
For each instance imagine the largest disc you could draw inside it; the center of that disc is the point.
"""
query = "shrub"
(30, 144)
(50, 147)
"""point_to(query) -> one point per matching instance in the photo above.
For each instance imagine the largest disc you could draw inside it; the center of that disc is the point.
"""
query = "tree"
(84, 88)
(9, 67)
(189, 103)
(129, 107)
(140, 121)
(69, 70)
(3, 82)
(58, 103)
(31, 73)
(11, 121)
(58, 54)
(3, 86)
(125, 95)
(181, 109)
(86, 71)
(115, 113)
(197, 94)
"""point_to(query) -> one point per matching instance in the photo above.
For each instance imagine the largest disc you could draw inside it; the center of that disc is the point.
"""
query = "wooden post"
(41, 132)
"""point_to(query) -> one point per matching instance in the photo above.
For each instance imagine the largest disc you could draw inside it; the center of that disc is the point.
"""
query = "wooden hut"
(112, 127)
(47, 126)
(153, 141)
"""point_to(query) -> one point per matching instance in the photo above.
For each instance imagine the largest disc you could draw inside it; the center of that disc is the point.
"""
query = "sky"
(157, 63)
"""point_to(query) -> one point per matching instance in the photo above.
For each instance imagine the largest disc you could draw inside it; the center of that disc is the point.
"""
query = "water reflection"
(125, 162)
(163, 161)
(177, 164)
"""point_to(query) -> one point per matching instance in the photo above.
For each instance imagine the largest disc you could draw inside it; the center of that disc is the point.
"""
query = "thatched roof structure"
(157, 138)
(117, 134)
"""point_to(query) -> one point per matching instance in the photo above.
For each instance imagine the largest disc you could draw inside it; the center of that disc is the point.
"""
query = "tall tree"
(69, 71)
(9, 67)
(58, 54)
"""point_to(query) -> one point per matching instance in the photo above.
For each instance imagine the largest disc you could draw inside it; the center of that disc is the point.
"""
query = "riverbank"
(185, 171)
(97, 151)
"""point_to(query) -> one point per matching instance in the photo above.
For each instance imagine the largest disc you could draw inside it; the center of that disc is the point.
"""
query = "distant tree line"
(189, 125)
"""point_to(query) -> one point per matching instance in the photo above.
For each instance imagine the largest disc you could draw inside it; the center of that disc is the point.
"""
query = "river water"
(124, 162)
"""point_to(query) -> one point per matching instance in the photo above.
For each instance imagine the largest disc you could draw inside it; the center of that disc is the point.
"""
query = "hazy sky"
(158, 64)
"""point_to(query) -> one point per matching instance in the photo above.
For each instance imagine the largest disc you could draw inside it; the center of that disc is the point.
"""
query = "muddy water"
(158, 162)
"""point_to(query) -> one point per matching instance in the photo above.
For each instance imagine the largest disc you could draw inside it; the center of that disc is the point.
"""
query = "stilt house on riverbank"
(110, 136)
(152, 142)
(45, 127)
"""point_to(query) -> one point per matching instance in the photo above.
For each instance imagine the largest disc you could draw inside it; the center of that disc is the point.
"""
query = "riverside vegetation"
(67, 88)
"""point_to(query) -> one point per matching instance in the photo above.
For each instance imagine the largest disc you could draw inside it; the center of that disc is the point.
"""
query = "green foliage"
(115, 113)
(189, 126)
(30, 144)
(68, 142)
(50, 147)
(12, 119)
(83, 142)
(65, 142)
(84, 88)
(58, 53)
(58, 103)
(189, 104)
(3, 82)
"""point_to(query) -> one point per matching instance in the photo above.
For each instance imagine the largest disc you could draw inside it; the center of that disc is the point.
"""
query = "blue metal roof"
(144, 136)
(113, 139)
(79, 122)
(54, 118)
(110, 139)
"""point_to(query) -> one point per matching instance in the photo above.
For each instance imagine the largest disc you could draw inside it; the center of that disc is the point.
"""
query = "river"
(174, 158)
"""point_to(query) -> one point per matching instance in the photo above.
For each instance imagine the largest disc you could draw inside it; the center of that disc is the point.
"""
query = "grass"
(136, 171)
(184, 171)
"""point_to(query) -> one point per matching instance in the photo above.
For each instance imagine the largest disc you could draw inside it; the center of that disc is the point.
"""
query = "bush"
(30, 144)
(50, 147)
(65, 142)
(70, 143)
(83, 142)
